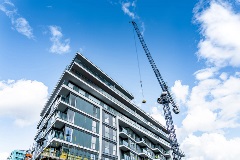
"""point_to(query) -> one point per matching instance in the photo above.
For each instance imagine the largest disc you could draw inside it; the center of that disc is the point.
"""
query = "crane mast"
(164, 99)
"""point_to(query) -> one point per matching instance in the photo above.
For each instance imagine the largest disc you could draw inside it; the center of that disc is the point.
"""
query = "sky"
(195, 45)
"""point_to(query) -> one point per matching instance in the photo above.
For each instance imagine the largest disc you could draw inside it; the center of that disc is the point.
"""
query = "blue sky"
(195, 45)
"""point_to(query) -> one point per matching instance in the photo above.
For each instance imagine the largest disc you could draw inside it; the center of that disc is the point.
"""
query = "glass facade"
(83, 105)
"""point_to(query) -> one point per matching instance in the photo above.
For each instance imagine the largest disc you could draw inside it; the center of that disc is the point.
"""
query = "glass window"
(114, 121)
(93, 145)
(95, 112)
(70, 115)
(93, 157)
(106, 149)
(106, 118)
(70, 85)
(72, 100)
(68, 134)
(114, 135)
(114, 149)
(106, 132)
(94, 126)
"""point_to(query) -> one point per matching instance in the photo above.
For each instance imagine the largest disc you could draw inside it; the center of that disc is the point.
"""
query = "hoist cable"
(139, 70)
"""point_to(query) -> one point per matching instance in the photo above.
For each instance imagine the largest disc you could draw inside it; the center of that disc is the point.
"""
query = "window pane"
(93, 145)
(68, 134)
(106, 150)
(72, 100)
(106, 132)
(106, 118)
(114, 121)
(114, 149)
(94, 126)
(70, 115)
(114, 135)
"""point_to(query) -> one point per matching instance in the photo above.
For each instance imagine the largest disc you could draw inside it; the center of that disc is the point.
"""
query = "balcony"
(124, 145)
(142, 129)
(123, 133)
(145, 153)
(158, 149)
(142, 142)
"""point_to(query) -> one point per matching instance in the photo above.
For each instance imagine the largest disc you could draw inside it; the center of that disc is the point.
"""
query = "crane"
(164, 99)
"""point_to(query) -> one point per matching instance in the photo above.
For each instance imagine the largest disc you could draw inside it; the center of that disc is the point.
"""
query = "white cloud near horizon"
(19, 23)
(22, 100)
(4, 155)
(59, 46)
(213, 103)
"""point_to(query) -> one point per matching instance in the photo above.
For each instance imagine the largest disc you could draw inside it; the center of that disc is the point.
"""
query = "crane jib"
(164, 99)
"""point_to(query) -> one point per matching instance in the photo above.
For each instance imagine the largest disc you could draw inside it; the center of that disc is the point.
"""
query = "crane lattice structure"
(164, 99)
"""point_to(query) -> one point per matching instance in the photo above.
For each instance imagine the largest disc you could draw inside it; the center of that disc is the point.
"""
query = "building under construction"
(90, 116)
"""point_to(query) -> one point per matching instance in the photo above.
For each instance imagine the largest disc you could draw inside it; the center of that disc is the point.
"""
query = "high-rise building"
(90, 116)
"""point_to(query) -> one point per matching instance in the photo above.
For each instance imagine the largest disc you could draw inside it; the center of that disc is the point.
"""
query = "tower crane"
(164, 99)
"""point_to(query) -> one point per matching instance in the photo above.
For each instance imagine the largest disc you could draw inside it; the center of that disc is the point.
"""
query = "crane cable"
(139, 70)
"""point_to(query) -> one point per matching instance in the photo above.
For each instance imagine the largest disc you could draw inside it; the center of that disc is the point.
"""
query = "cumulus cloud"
(58, 45)
(219, 25)
(180, 91)
(19, 23)
(213, 103)
(211, 147)
(22, 100)
(158, 115)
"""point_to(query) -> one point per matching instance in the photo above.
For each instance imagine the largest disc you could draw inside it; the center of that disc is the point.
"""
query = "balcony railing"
(143, 129)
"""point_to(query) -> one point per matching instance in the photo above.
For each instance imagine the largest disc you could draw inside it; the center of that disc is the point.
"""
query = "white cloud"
(19, 23)
(213, 103)
(126, 9)
(157, 115)
(213, 146)
(216, 100)
(4, 155)
(22, 100)
(180, 91)
(58, 45)
(23, 27)
(205, 73)
(220, 44)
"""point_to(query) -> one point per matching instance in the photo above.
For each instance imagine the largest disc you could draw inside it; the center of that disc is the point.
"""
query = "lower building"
(90, 116)
(17, 155)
